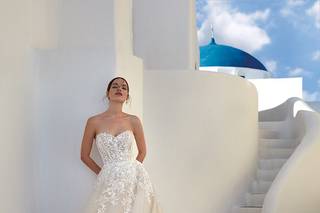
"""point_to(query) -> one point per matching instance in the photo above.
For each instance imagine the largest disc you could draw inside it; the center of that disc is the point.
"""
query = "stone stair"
(274, 150)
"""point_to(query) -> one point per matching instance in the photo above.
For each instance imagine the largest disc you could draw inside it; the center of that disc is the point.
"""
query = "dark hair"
(110, 83)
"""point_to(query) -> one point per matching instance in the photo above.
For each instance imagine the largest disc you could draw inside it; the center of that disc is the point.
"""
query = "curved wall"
(201, 134)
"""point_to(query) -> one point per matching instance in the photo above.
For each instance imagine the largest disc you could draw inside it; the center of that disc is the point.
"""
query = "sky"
(283, 34)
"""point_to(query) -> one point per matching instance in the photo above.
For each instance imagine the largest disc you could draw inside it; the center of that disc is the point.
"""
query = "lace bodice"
(121, 174)
(115, 149)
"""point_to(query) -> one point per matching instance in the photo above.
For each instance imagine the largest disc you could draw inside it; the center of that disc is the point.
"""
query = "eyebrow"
(118, 84)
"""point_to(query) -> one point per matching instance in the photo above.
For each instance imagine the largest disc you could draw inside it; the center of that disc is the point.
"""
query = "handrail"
(280, 112)
(296, 188)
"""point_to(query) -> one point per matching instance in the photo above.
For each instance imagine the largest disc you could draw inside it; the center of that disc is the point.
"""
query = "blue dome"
(226, 56)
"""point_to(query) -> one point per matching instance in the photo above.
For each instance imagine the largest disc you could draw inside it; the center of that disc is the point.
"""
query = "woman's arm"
(86, 146)
(139, 137)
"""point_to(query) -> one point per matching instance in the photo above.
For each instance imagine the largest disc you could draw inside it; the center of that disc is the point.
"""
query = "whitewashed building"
(211, 145)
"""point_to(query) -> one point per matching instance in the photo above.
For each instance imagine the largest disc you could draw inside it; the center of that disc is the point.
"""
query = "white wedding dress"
(123, 184)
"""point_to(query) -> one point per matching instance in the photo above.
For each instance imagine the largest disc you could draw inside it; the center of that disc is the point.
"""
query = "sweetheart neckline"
(105, 132)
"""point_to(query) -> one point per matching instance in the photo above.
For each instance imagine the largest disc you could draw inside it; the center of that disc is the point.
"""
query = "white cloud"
(310, 96)
(271, 65)
(316, 55)
(260, 15)
(314, 12)
(288, 9)
(294, 3)
(298, 71)
(234, 28)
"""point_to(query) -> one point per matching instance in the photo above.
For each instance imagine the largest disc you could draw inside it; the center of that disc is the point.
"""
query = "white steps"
(275, 134)
(260, 187)
(247, 209)
(255, 199)
(272, 124)
(269, 134)
(276, 145)
(266, 175)
(280, 153)
(271, 164)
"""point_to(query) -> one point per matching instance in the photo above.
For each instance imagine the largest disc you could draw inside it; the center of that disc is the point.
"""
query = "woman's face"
(118, 90)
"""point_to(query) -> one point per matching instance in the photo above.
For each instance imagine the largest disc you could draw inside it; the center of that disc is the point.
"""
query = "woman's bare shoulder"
(135, 121)
(133, 117)
(96, 119)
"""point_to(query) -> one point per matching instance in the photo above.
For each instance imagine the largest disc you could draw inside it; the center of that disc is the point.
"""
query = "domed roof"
(221, 55)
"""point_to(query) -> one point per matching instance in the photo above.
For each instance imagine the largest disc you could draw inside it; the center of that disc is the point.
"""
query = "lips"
(118, 93)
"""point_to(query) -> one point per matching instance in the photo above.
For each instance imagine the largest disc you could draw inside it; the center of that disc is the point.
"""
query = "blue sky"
(283, 34)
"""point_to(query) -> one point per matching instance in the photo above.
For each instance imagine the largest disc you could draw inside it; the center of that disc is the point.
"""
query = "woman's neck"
(115, 108)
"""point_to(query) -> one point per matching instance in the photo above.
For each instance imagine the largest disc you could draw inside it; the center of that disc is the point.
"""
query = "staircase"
(275, 148)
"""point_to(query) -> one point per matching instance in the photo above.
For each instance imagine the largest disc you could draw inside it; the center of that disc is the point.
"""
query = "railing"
(280, 112)
(296, 189)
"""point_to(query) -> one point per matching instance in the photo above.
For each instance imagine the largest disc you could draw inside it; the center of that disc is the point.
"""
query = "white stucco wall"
(248, 73)
(72, 79)
(271, 91)
(201, 137)
(56, 60)
(274, 91)
(128, 65)
(165, 34)
(17, 84)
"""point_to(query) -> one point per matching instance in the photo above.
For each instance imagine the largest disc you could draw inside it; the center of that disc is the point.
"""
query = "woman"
(123, 185)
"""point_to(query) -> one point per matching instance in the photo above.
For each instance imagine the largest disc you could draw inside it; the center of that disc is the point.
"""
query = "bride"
(123, 184)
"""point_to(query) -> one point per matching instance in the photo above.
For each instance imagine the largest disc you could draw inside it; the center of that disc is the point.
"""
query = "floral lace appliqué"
(120, 176)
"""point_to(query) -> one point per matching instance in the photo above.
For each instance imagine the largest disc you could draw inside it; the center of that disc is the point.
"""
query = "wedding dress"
(123, 184)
